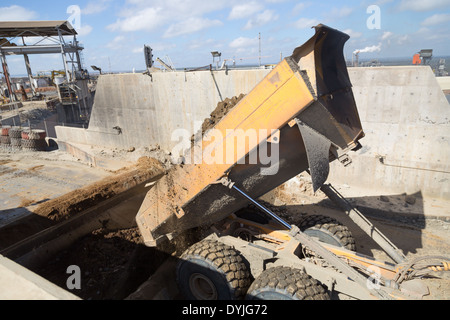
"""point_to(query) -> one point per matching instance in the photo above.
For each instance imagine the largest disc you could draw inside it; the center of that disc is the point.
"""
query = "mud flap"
(318, 154)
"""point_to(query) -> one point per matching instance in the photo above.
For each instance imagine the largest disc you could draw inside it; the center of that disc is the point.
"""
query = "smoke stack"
(369, 49)
(366, 49)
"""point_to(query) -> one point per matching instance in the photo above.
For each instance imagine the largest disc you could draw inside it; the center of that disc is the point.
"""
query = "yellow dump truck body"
(311, 87)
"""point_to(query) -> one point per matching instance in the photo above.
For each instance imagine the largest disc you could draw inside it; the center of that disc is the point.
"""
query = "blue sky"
(114, 32)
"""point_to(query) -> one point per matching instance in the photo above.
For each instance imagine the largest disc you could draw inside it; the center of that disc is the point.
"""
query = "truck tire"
(210, 270)
(24, 134)
(36, 134)
(285, 283)
(328, 230)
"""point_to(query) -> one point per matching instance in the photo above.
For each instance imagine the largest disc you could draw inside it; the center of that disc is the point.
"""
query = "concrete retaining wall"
(444, 82)
(406, 119)
(19, 283)
(148, 109)
(404, 113)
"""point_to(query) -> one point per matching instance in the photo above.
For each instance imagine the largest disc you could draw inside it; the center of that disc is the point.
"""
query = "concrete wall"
(406, 119)
(444, 82)
(19, 283)
(404, 113)
(148, 109)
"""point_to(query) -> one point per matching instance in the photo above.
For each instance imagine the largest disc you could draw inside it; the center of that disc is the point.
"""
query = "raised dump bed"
(301, 115)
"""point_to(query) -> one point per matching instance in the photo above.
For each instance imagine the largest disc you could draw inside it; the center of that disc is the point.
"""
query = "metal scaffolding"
(46, 37)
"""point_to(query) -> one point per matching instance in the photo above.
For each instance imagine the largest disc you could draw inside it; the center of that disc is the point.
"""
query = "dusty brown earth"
(113, 264)
(45, 212)
(222, 108)
(220, 111)
(78, 200)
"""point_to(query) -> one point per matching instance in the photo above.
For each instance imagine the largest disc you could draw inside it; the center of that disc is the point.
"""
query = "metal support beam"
(39, 49)
(364, 224)
(77, 54)
(30, 74)
(12, 94)
(64, 58)
(267, 211)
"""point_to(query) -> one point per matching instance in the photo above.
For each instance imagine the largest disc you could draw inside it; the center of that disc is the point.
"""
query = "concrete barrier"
(19, 283)
(136, 110)
(406, 119)
(444, 82)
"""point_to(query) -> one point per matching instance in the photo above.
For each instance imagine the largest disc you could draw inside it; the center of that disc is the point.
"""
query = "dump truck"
(302, 116)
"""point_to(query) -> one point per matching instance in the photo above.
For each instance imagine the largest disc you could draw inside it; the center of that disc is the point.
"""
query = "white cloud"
(386, 35)
(244, 10)
(261, 19)
(300, 7)
(163, 46)
(421, 5)
(352, 34)
(340, 13)
(243, 42)
(195, 44)
(94, 7)
(437, 36)
(403, 39)
(147, 19)
(84, 30)
(191, 25)
(381, 2)
(436, 19)
(138, 15)
(177, 9)
(16, 13)
(117, 42)
(303, 23)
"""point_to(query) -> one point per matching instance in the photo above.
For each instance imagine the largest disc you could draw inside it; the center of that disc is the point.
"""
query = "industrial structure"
(49, 37)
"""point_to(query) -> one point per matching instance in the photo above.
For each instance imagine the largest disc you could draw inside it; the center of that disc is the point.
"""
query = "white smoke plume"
(369, 49)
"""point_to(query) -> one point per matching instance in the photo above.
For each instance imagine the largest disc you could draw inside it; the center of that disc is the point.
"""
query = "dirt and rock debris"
(81, 199)
(220, 111)
(38, 178)
(112, 264)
